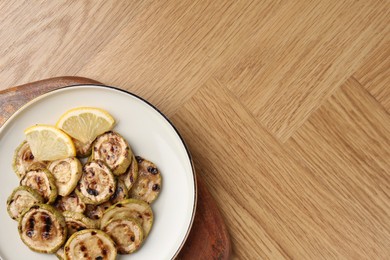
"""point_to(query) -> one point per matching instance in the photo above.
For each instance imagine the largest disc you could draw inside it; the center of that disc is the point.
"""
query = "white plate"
(150, 135)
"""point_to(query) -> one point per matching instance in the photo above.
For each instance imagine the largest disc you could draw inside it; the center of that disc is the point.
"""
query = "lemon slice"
(49, 143)
(85, 123)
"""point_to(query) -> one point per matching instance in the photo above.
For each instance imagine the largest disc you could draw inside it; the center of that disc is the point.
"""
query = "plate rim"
(104, 86)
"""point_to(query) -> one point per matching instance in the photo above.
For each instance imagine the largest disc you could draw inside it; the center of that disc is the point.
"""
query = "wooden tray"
(208, 238)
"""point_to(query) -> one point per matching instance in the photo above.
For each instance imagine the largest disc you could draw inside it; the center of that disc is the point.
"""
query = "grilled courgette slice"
(132, 208)
(97, 183)
(114, 150)
(23, 158)
(131, 174)
(90, 244)
(72, 202)
(148, 184)
(67, 173)
(127, 234)
(42, 228)
(43, 182)
(76, 221)
(22, 198)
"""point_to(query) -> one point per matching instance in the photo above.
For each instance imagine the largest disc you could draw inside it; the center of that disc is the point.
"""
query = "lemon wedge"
(48, 143)
(85, 123)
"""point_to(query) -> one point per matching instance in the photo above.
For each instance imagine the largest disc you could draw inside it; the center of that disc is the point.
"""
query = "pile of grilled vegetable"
(90, 211)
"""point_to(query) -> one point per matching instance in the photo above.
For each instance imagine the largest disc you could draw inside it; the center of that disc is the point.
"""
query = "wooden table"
(284, 104)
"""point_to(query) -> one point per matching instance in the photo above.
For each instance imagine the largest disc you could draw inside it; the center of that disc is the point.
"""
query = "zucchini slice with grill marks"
(23, 158)
(133, 208)
(42, 228)
(114, 150)
(43, 182)
(67, 173)
(127, 234)
(131, 174)
(97, 184)
(76, 221)
(72, 202)
(148, 184)
(22, 198)
(90, 244)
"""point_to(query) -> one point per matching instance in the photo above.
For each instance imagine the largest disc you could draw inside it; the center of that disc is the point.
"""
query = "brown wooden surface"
(284, 104)
(208, 238)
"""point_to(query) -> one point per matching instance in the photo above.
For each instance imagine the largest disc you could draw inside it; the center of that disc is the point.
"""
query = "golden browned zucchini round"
(127, 234)
(23, 158)
(67, 173)
(90, 244)
(43, 182)
(22, 198)
(131, 174)
(132, 208)
(72, 202)
(97, 184)
(148, 184)
(42, 228)
(114, 150)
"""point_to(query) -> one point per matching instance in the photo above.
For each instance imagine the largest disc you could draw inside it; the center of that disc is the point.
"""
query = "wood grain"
(59, 37)
(208, 238)
(285, 104)
(269, 187)
(349, 137)
(374, 73)
(312, 57)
